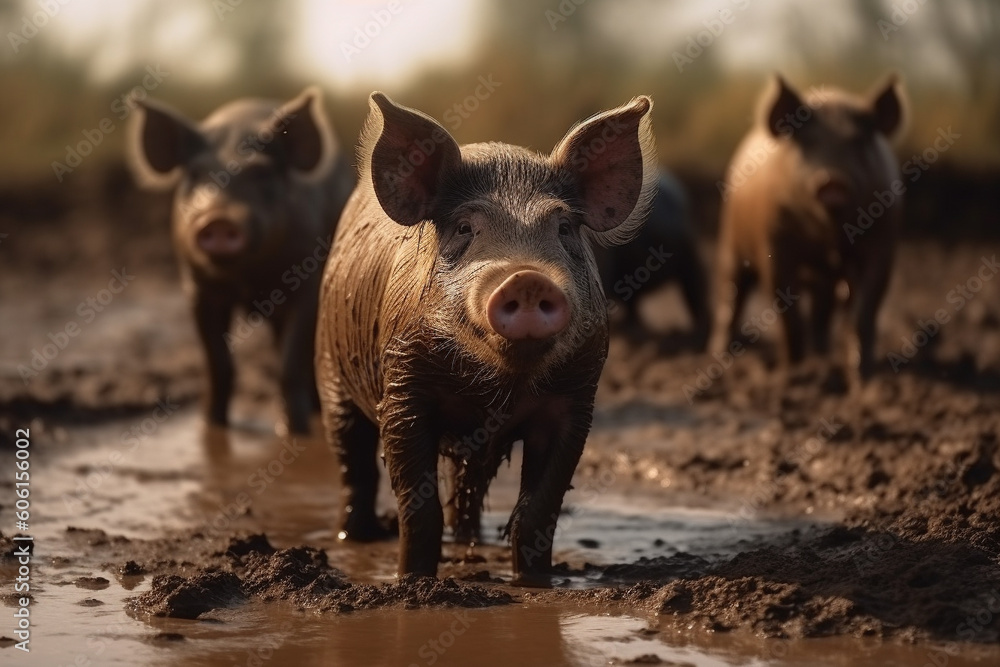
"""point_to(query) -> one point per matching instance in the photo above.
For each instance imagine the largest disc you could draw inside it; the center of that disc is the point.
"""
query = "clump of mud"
(838, 581)
(177, 597)
(250, 568)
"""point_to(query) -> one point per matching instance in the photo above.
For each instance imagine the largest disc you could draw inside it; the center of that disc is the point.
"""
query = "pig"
(258, 186)
(461, 311)
(664, 252)
(793, 197)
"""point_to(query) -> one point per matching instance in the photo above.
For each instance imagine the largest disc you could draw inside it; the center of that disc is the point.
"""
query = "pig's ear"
(407, 153)
(303, 138)
(613, 157)
(783, 102)
(888, 104)
(161, 142)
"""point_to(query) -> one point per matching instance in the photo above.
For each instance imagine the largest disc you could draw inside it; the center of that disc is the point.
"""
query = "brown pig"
(257, 188)
(462, 312)
(794, 194)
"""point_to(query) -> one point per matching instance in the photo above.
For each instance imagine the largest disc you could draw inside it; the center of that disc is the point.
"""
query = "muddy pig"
(662, 253)
(462, 311)
(258, 186)
(795, 193)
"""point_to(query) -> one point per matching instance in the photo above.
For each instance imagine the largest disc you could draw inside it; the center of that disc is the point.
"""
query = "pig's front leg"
(550, 459)
(411, 454)
(213, 311)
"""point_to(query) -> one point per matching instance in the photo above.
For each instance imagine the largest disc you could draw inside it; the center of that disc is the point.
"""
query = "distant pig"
(462, 311)
(663, 252)
(258, 186)
(793, 196)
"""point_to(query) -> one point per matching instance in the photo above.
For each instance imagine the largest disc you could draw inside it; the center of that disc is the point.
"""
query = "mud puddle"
(157, 475)
(72, 632)
(143, 478)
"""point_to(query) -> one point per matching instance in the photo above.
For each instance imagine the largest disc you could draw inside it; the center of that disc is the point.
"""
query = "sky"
(341, 42)
(365, 43)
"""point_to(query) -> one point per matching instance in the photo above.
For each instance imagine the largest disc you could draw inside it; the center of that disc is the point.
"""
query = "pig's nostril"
(221, 237)
(528, 305)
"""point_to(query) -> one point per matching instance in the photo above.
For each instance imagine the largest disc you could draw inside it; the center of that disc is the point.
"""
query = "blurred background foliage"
(557, 61)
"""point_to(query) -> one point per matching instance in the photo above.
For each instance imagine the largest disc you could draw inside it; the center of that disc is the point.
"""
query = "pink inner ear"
(406, 174)
(612, 181)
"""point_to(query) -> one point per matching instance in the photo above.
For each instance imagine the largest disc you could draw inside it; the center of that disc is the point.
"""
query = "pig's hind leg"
(355, 440)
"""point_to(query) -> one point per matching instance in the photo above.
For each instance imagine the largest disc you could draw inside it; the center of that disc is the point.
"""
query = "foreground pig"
(797, 188)
(663, 252)
(257, 184)
(462, 311)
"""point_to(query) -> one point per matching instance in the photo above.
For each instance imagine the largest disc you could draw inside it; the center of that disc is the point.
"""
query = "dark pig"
(664, 252)
(462, 311)
(793, 196)
(258, 187)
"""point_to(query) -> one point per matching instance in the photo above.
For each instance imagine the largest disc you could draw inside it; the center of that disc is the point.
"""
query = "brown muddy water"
(175, 477)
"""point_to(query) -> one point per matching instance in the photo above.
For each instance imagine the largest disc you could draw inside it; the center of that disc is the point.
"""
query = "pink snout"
(221, 237)
(528, 305)
(834, 194)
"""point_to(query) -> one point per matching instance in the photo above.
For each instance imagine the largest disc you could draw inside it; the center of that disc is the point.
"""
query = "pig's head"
(842, 141)
(235, 174)
(515, 280)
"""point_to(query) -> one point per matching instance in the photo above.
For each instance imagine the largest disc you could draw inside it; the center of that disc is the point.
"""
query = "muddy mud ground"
(719, 515)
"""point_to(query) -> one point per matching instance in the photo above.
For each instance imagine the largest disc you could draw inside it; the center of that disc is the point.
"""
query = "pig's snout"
(834, 193)
(221, 237)
(528, 305)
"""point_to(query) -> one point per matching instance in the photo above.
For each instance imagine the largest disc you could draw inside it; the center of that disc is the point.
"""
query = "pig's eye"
(464, 228)
(564, 228)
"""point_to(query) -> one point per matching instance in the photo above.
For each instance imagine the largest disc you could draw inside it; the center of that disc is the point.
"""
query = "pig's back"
(754, 191)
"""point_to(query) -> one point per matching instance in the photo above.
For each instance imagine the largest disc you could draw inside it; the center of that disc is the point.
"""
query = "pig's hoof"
(532, 580)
